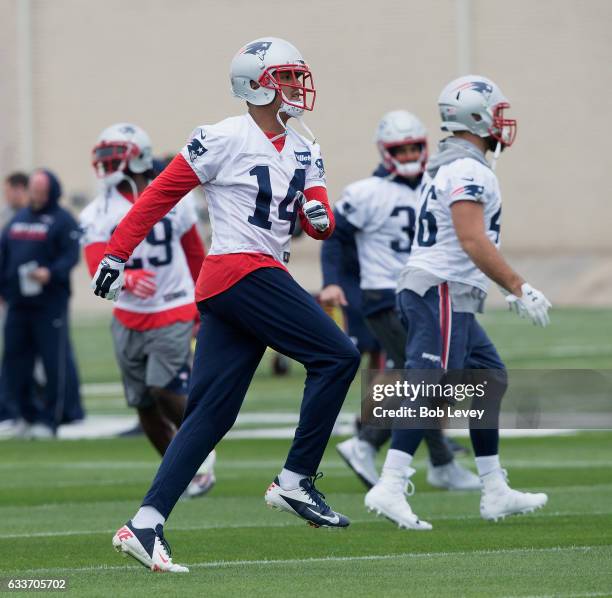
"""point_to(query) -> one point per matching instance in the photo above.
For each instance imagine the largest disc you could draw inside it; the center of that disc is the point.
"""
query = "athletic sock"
(289, 480)
(148, 517)
(397, 460)
(486, 465)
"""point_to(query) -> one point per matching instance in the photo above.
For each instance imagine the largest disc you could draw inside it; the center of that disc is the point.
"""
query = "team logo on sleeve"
(347, 208)
(258, 49)
(304, 158)
(319, 165)
(196, 149)
(468, 191)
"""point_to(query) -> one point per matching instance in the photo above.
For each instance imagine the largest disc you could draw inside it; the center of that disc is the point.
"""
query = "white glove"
(532, 304)
(108, 279)
(314, 211)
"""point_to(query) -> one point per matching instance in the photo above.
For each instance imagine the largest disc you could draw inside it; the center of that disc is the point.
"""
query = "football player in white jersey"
(444, 284)
(153, 319)
(259, 175)
(379, 213)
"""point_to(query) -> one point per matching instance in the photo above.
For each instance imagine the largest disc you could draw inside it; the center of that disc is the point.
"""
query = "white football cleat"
(388, 498)
(148, 546)
(306, 502)
(360, 456)
(204, 479)
(39, 431)
(452, 476)
(499, 500)
(12, 428)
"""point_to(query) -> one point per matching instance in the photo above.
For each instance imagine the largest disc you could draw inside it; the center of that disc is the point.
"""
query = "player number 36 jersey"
(250, 186)
(437, 249)
(384, 214)
(160, 252)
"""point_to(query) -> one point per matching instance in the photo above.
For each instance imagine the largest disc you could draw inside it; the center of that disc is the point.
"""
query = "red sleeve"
(320, 194)
(93, 255)
(176, 180)
(195, 252)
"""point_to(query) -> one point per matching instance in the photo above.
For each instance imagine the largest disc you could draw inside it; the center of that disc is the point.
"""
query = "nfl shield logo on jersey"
(196, 149)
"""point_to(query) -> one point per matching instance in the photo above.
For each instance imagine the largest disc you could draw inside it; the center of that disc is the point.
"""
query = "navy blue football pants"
(266, 308)
(356, 326)
(42, 331)
(442, 339)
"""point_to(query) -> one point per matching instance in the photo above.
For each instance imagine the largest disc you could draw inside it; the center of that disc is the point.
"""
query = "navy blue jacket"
(50, 237)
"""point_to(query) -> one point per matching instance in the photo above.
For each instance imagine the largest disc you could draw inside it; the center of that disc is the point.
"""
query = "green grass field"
(60, 502)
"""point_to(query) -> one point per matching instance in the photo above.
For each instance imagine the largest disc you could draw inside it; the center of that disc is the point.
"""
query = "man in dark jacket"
(39, 248)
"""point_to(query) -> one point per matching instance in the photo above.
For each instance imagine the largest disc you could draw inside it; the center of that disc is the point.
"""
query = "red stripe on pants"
(445, 321)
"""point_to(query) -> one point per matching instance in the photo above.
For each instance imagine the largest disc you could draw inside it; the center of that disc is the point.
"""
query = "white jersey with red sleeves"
(161, 251)
(250, 186)
(436, 248)
(384, 214)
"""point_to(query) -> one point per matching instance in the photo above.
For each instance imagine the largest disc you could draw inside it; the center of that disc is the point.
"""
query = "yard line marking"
(146, 481)
(129, 502)
(288, 523)
(251, 464)
(102, 388)
(330, 559)
(105, 426)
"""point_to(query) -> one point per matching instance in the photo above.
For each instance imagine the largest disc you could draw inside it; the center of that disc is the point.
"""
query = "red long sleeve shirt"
(218, 272)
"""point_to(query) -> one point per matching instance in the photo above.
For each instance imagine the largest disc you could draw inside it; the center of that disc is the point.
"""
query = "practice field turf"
(60, 503)
(576, 338)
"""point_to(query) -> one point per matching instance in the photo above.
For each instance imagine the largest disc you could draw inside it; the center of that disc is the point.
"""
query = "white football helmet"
(121, 147)
(400, 128)
(260, 62)
(476, 104)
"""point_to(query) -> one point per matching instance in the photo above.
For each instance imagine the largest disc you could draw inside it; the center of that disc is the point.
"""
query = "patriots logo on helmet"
(128, 130)
(479, 86)
(258, 49)
(469, 191)
(196, 149)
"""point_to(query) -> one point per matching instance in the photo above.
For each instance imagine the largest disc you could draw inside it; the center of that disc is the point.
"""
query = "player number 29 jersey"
(161, 252)
(250, 186)
(437, 248)
(384, 214)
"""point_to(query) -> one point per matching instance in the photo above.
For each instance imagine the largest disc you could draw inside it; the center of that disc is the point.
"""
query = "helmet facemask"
(301, 79)
(503, 129)
(110, 160)
(405, 169)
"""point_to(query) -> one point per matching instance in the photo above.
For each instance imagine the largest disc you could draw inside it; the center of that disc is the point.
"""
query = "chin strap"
(110, 184)
(496, 155)
(288, 129)
(132, 184)
(307, 129)
(282, 124)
